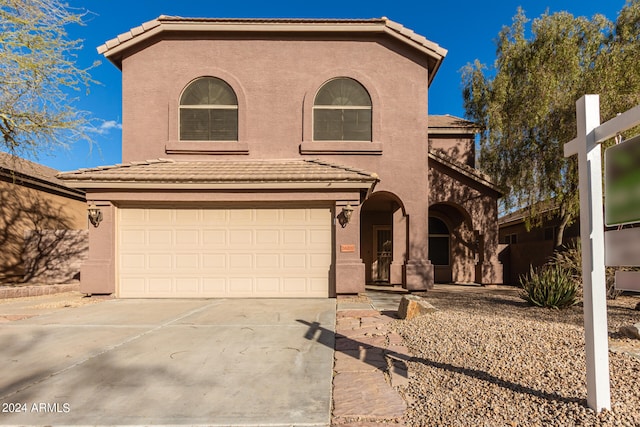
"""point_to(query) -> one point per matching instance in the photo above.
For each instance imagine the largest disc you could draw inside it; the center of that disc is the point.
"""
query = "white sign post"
(587, 147)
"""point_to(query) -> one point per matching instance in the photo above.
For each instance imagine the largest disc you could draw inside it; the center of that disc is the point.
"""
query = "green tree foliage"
(525, 103)
(37, 74)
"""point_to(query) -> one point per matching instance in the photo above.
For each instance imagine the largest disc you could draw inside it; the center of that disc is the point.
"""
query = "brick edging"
(34, 291)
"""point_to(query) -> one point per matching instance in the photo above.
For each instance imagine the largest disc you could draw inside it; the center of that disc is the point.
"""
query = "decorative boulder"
(631, 331)
(413, 306)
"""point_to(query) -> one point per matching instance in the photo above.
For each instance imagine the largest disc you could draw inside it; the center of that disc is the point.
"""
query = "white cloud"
(104, 127)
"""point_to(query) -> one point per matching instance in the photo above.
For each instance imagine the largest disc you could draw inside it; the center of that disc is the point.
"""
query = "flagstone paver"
(369, 363)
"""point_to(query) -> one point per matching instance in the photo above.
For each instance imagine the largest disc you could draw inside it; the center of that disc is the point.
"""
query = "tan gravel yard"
(486, 358)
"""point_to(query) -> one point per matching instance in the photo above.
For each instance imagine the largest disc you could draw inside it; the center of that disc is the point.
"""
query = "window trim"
(207, 107)
(341, 108)
(309, 146)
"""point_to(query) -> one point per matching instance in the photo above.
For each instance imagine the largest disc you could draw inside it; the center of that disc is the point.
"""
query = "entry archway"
(383, 235)
(453, 247)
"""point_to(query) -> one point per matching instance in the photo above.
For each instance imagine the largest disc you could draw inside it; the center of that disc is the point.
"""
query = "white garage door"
(178, 253)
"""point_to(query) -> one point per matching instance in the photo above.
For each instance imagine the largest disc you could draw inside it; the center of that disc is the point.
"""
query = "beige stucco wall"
(23, 209)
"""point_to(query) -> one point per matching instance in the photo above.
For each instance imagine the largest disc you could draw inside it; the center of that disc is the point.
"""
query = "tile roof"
(113, 48)
(211, 172)
(23, 172)
(464, 169)
(448, 121)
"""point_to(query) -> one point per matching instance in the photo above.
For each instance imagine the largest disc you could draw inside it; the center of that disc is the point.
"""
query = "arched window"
(438, 242)
(208, 111)
(342, 112)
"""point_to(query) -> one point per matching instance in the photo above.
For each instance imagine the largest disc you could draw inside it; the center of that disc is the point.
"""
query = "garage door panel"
(133, 216)
(240, 285)
(159, 216)
(187, 285)
(241, 261)
(240, 237)
(294, 285)
(294, 237)
(269, 285)
(134, 285)
(187, 262)
(160, 286)
(319, 261)
(133, 237)
(187, 237)
(214, 238)
(266, 261)
(214, 286)
(161, 238)
(133, 261)
(294, 260)
(224, 252)
(240, 216)
(267, 237)
(267, 216)
(160, 261)
(317, 285)
(214, 216)
(319, 237)
(214, 261)
(187, 216)
(295, 216)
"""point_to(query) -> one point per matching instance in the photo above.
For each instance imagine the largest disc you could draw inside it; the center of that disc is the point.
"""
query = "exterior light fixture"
(95, 214)
(344, 217)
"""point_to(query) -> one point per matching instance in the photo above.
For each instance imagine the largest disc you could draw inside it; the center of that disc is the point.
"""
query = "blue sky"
(466, 28)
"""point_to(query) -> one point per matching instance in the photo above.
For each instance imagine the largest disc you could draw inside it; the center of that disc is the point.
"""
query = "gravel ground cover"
(489, 359)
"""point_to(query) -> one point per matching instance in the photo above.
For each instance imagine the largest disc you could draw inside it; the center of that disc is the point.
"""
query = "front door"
(383, 253)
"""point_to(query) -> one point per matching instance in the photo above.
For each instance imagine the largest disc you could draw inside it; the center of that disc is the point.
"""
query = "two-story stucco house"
(284, 158)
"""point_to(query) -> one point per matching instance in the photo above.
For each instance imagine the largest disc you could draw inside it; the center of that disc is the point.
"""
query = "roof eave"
(42, 184)
(241, 186)
(114, 49)
(461, 170)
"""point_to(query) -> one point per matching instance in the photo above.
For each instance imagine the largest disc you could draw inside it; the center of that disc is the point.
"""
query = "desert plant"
(569, 256)
(550, 285)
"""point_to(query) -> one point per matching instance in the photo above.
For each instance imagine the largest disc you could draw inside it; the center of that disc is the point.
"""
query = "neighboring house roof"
(464, 170)
(114, 49)
(521, 214)
(222, 174)
(448, 124)
(29, 174)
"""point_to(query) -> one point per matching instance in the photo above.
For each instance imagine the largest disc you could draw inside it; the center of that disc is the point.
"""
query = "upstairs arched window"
(342, 112)
(208, 111)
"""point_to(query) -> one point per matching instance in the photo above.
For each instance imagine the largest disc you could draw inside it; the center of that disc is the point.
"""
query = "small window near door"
(439, 247)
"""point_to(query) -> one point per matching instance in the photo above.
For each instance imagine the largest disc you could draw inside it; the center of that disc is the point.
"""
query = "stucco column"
(490, 268)
(97, 274)
(349, 268)
(399, 248)
(419, 270)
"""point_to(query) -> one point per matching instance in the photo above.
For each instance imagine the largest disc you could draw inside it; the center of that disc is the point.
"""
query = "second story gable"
(282, 88)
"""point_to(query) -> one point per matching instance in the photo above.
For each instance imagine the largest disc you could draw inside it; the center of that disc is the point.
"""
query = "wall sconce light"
(345, 215)
(95, 214)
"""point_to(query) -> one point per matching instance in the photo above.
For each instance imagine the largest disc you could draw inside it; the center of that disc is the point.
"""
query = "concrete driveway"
(213, 362)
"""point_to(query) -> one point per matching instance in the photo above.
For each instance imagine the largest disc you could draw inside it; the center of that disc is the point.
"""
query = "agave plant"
(550, 285)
